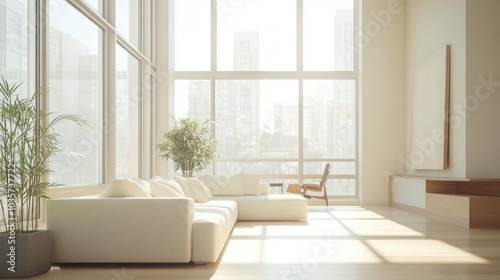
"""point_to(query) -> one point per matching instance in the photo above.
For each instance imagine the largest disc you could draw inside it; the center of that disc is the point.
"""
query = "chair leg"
(324, 197)
(304, 193)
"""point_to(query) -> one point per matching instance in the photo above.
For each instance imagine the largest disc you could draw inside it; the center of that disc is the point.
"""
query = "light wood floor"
(343, 243)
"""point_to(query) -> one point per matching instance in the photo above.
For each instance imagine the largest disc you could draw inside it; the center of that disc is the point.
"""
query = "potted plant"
(189, 144)
(27, 141)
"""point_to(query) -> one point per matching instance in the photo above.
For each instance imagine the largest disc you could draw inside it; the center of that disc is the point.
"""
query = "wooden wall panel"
(485, 212)
(472, 203)
(449, 208)
(485, 188)
(448, 187)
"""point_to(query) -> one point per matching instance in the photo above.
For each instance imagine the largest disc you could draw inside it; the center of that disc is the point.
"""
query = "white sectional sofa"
(162, 221)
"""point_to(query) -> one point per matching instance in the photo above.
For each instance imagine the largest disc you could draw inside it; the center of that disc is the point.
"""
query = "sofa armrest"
(120, 230)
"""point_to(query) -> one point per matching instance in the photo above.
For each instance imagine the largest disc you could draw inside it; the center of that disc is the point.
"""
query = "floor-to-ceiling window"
(280, 80)
(75, 82)
(18, 44)
(97, 58)
(127, 117)
(17, 66)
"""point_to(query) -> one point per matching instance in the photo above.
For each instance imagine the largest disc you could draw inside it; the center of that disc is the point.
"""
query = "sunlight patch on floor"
(310, 229)
(276, 251)
(347, 235)
(417, 251)
(359, 214)
(319, 215)
(382, 227)
(315, 228)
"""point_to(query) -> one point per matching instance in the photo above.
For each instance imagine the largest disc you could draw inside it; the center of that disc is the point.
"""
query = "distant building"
(14, 44)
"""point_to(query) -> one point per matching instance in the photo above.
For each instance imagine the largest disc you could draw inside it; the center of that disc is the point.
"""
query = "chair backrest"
(324, 177)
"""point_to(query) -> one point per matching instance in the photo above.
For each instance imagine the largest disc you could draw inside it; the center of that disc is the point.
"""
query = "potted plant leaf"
(189, 144)
(28, 139)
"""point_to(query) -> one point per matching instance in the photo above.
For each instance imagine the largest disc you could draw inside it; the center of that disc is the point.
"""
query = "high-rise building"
(237, 101)
(15, 56)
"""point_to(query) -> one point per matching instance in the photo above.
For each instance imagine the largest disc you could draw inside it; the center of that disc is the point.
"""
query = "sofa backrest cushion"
(145, 184)
(201, 192)
(215, 183)
(234, 186)
(238, 184)
(185, 186)
(264, 188)
(125, 187)
(169, 183)
(165, 188)
(251, 184)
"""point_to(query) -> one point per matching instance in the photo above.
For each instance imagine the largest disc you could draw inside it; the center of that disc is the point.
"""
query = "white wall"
(432, 24)
(471, 28)
(393, 44)
(483, 89)
(382, 96)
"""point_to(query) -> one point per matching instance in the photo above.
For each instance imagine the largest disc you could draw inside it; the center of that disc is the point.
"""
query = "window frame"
(300, 75)
(143, 52)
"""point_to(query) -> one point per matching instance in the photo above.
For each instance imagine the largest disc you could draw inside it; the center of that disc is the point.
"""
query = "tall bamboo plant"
(28, 139)
(189, 144)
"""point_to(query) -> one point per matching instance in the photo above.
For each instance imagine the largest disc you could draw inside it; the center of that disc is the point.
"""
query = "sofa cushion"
(125, 187)
(233, 187)
(264, 188)
(213, 223)
(201, 192)
(185, 186)
(269, 207)
(251, 184)
(160, 189)
(145, 184)
(170, 183)
(227, 208)
(215, 183)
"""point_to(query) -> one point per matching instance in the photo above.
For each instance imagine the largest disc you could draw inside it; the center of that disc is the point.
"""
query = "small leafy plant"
(28, 139)
(189, 144)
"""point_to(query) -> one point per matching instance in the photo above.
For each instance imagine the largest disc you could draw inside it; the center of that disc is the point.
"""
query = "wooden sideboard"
(472, 203)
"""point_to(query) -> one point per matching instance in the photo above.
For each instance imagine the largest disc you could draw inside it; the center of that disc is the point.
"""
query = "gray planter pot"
(30, 257)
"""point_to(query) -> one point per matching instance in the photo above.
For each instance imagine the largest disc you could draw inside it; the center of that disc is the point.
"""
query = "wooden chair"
(303, 189)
